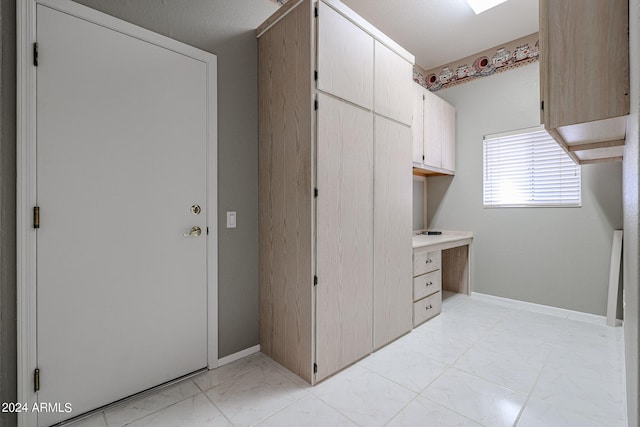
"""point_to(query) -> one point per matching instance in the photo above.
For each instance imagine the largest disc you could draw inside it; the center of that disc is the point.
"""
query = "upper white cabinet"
(448, 143)
(345, 58)
(432, 129)
(393, 85)
(584, 76)
(434, 153)
(417, 127)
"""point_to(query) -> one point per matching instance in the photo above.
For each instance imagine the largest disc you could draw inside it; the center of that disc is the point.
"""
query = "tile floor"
(477, 364)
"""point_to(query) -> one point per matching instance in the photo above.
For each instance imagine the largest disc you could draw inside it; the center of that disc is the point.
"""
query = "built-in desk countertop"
(446, 240)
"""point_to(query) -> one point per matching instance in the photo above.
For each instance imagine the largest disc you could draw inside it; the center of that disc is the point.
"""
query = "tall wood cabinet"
(335, 228)
(584, 76)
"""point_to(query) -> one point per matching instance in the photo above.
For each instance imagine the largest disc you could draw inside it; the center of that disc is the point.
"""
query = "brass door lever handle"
(194, 232)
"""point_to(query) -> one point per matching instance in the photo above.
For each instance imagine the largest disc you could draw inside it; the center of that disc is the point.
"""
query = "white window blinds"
(528, 168)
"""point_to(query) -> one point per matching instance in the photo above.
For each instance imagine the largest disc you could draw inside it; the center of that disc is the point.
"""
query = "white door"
(121, 160)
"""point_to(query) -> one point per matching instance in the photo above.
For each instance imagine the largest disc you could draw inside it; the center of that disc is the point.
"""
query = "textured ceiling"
(212, 25)
(435, 31)
(441, 31)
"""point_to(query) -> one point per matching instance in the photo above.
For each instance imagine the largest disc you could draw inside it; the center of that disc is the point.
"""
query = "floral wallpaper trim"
(510, 55)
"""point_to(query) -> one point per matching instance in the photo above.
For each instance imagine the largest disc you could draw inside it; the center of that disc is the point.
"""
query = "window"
(528, 168)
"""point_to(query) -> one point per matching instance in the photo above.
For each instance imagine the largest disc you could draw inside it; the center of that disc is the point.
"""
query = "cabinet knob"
(430, 307)
(428, 261)
(429, 284)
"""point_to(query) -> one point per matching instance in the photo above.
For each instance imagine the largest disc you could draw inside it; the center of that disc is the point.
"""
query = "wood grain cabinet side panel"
(584, 66)
(285, 199)
(455, 270)
(393, 85)
(344, 235)
(392, 290)
(345, 58)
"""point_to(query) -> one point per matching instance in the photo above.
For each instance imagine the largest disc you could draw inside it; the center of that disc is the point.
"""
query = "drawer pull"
(428, 261)
(429, 284)
(430, 307)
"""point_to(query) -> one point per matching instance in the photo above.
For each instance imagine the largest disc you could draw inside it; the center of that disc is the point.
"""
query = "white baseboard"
(543, 309)
(239, 355)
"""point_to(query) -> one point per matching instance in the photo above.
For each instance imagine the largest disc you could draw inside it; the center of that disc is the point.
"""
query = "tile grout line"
(454, 411)
(160, 409)
(337, 410)
(275, 365)
(213, 403)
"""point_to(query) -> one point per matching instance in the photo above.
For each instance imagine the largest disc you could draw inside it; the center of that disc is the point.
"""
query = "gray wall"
(631, 273)
(7, 208)
(552, 256)
(225, 28)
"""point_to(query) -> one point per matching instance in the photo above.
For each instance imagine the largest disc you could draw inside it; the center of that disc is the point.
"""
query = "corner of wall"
(631, 207)
(8, 352)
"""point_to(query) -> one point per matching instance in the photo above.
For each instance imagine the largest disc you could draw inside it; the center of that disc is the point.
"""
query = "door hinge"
(35, 54)
(36, 380)
(315, 368)
(207, 231)
(315, 192)
(423, 157)
(315, 75)
(315, 280)
(542, 105)
(315, 104)
(315, 11)
(36, 217)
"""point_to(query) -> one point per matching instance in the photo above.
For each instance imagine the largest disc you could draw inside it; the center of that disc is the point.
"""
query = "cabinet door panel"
(417, 124)
(344, 235)
(448, 121)
(584, 62)
(393, 84)
(392, 231)
(345, 58)
(432, 130)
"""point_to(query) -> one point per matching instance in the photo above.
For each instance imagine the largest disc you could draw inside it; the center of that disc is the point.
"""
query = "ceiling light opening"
(480, 6)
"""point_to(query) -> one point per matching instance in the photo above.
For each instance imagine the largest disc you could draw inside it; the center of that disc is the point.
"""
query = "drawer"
(427, 308)
(427, 284)
(424, 262)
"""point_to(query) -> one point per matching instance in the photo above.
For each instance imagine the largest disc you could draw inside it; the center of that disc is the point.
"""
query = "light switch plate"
(231, 219)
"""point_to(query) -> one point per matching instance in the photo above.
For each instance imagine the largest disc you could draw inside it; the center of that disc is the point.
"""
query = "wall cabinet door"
(448, 124)
(432, 130)
(344, 235)
(417, 123)
(345, 58)
(392, 85)
(392, 231)
(584, 62)
(439, 131)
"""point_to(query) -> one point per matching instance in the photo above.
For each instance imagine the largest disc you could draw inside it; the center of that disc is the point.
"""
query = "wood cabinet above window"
(584, 76)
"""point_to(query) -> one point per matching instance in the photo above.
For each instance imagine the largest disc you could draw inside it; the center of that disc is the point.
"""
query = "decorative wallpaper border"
(516, 53)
